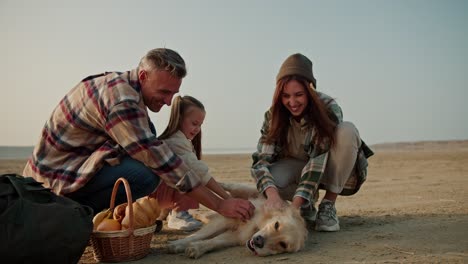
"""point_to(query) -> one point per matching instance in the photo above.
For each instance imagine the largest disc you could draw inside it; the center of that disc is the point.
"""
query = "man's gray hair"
(166, 60)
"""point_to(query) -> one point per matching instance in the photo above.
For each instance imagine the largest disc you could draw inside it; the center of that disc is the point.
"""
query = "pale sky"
(399, 69)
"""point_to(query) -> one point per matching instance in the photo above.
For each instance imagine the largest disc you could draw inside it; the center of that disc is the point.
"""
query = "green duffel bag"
(38, 226)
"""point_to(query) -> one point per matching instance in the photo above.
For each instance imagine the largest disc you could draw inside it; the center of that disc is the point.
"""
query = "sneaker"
(182, 221)
(326, 218)
(309, 214)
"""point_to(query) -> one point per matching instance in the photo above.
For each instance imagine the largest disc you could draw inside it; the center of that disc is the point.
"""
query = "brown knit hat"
(297, 64)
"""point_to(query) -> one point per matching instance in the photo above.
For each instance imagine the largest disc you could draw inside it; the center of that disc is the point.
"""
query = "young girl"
(183, 136)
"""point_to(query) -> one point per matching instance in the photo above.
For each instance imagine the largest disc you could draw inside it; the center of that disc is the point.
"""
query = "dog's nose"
(259, 241)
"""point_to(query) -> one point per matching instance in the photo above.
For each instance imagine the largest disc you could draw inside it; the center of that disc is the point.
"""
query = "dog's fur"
(268, 232)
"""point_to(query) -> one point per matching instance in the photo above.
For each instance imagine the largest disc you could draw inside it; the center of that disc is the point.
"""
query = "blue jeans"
(97, 192)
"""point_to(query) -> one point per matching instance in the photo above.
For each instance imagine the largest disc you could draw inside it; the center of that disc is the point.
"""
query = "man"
(101, 131)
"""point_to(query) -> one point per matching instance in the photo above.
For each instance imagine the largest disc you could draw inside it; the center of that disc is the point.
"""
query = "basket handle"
(129, 200)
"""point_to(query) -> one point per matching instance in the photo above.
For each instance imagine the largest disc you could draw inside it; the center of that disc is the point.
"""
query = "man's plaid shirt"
(99, 121)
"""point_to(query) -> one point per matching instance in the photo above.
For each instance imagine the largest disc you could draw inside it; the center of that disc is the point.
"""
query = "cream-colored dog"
(268, 232)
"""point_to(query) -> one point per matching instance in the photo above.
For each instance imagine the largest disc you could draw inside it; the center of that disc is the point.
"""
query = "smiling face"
(294, 98)
(192, 121)
(158, 87)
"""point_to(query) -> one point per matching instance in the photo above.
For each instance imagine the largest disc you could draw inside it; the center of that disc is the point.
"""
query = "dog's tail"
(240, 190)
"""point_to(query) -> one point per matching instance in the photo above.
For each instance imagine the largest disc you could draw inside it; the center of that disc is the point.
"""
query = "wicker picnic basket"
(122, 245)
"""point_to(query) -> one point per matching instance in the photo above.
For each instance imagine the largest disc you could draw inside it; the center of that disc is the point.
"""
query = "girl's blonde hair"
(179, 109)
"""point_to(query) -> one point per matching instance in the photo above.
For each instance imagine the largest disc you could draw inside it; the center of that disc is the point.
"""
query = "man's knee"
(148, 181)
(140, 175)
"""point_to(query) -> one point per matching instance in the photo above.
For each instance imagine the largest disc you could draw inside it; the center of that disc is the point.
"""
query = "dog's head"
(280, 231)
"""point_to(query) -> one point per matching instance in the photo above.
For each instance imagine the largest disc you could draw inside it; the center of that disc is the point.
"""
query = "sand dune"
(450, 145)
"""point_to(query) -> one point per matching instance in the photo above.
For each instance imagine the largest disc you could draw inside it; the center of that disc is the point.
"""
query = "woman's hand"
(274, 200)
(297, 202)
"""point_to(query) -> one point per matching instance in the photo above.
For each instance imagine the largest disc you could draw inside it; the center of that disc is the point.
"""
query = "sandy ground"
(412, 209)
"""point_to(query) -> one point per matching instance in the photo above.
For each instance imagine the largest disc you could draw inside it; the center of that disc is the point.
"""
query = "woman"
(305, 145)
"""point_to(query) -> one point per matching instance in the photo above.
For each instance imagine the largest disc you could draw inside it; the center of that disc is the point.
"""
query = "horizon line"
(246, 148)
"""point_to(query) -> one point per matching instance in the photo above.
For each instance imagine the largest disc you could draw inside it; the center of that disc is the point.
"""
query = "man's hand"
(231, 207)
(236, 208)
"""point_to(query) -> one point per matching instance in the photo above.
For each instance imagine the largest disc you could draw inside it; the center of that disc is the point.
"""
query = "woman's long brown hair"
(179, 109)
(316, 114)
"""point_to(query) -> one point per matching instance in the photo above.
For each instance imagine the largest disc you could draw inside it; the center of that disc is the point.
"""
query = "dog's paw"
(174, 247)
(192, 251)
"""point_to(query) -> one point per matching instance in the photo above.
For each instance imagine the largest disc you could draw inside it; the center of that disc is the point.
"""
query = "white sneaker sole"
(325, 228)
(186, 227)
